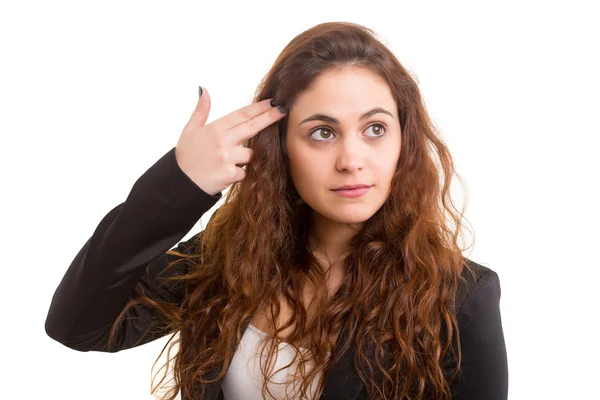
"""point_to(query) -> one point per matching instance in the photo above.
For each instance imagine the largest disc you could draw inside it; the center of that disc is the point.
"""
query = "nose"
(351, 154)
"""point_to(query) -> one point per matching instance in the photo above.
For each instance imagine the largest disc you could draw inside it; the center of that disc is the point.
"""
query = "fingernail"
(282, 109)
(199, 91)
(272, 102)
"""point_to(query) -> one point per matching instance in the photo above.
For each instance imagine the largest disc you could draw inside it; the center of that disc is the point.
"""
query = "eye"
(379, 131)
(327, 136)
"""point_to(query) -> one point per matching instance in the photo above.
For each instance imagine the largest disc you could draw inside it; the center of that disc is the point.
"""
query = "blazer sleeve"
(127, 249)
(484, 360)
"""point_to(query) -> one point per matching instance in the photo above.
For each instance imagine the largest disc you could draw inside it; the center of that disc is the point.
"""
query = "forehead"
(350, 89)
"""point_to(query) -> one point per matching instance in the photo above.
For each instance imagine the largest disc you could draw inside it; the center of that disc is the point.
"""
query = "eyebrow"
(331, 120)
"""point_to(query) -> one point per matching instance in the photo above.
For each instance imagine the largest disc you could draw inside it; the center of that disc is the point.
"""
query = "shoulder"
(484, 363)
(477, 281)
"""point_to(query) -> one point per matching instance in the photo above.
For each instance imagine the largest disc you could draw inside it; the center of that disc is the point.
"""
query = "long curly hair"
(402, 270)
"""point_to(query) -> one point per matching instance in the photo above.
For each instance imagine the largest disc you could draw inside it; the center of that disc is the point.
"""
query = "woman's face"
(344, 130)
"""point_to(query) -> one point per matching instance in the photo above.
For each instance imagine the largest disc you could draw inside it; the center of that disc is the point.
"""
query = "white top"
(243, 380)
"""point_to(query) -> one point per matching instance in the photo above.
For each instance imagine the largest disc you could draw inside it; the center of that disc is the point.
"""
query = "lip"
(357, 192)
(357, 186)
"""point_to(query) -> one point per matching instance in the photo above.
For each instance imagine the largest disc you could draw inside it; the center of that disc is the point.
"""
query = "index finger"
(242, 115)
(246, 130)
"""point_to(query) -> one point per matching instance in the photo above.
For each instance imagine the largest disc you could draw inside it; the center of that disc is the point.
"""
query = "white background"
(93, 93)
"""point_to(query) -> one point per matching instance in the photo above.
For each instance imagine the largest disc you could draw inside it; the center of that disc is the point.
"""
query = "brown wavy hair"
(402, 270)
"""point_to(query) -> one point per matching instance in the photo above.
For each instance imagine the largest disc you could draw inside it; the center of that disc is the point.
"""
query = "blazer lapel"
(341, 381)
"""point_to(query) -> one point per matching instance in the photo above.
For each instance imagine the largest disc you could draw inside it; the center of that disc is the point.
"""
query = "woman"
(359, 292)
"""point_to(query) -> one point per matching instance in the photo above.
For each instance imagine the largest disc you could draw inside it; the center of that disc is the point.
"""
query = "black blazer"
(128, 247)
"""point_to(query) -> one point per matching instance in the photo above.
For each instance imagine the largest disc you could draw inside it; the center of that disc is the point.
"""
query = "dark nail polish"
(282, 109)
(272, 102)
(199, 91)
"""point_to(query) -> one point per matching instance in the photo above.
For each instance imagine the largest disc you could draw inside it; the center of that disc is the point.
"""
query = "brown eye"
(378, 129)
(326, 136)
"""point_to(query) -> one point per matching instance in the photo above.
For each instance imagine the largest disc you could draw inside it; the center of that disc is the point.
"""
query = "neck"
(329, 239)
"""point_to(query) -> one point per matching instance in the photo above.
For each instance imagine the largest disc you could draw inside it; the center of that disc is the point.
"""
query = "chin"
(349, 215)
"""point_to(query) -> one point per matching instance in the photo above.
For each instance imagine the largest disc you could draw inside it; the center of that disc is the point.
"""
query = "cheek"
(308, 175)
(303, 169)
(304, 163)
(387, 162)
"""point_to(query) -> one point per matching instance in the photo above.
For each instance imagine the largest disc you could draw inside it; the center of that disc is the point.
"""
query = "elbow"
(93, 341)
(59, 336)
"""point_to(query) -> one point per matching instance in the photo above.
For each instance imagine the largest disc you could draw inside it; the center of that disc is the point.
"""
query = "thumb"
(200, 114)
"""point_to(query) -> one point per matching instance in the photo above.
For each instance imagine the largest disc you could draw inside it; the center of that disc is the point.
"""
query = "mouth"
(352, 187)
(352, 192)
